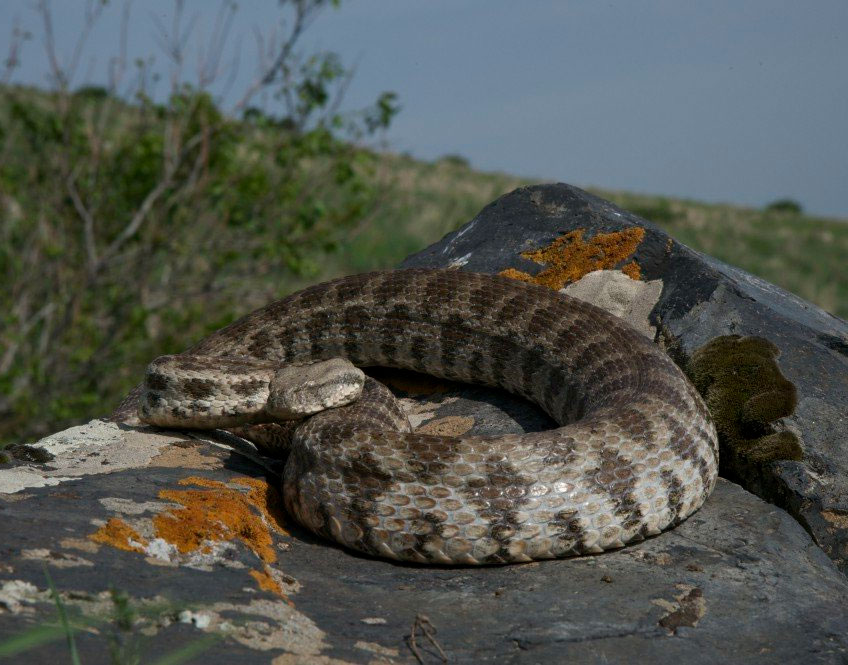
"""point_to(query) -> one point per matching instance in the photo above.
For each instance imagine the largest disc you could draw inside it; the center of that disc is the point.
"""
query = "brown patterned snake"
(635, 454)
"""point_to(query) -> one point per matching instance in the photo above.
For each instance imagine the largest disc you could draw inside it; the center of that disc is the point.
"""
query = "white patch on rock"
(22, 477)
(16, 596)
(419, 412)
(458, 235)
(260, 624)
(130, 507)
(461, 261)
(626, 298)
(161, 549)
(271, 625)
(94, 448)
(55, 559)
(378, 649)
(198, 619)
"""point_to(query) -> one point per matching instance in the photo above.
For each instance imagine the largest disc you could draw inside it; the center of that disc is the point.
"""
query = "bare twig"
(87, 218)
(173, 42)
(427, 629)
(12, 348)
(63, 74)
(147, 204)
(304, 14)
(209, 58)
(13, 58)
(118, 65)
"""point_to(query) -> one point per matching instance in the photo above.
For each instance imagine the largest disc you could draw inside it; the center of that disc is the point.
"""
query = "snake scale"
(635, 453)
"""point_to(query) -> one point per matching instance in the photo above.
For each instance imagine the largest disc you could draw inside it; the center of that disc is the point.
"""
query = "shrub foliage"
(131, 226)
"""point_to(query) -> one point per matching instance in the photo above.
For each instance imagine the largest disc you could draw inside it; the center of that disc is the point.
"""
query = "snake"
(635, 451)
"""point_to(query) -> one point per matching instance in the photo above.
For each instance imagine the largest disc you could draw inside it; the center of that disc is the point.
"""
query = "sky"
(737, 101)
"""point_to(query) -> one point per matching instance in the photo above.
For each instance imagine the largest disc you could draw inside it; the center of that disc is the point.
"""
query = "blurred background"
(167, 166)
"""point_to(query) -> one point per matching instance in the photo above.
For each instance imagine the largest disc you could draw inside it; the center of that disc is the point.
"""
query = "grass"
(120, 630)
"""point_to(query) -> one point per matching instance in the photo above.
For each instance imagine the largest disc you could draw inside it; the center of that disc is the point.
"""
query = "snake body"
(635, 453)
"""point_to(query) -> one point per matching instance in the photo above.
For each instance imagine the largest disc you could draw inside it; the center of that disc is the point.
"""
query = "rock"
(157, 541)
(784, 435)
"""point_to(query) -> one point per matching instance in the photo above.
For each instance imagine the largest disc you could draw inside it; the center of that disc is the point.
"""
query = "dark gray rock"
(190, 535)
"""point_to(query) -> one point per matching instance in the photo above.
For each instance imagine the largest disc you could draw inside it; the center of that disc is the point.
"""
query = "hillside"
(109, 259)
(803, 254)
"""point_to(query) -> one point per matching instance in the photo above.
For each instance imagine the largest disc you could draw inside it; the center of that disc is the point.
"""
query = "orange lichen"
(266, 582)
(569, 257)
(118, 533)
(267, 499)
(632, 270)
(512, 273)
(220, 513)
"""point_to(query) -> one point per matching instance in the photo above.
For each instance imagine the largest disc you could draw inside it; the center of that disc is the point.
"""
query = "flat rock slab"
(196, 541)
(157, 542)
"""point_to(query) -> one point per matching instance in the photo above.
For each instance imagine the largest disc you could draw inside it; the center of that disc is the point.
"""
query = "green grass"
(120, 632)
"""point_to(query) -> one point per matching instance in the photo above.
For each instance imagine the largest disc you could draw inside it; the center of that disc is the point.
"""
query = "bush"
(659, 212)
(131, 227)
(455, 160)
(785, 206)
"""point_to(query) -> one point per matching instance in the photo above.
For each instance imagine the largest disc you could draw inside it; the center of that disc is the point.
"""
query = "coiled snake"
(636, 451)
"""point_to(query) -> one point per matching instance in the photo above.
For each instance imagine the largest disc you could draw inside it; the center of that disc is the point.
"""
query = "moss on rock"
(746, 392)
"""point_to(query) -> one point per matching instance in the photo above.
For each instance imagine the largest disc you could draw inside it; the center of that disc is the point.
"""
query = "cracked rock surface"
(189, 533)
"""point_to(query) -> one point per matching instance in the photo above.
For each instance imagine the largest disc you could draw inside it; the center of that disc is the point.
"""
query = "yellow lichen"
(570, 257)
(512, 273)
(265, 580)
(217, 512)
(632, 270)
(118, 533)
(221, 513)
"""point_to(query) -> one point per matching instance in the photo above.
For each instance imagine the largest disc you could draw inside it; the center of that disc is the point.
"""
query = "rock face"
(156, 542)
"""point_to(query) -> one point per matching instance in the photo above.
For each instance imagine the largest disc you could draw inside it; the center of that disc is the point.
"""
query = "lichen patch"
(121, 535)
(266, 582)
(270, 579)
(19, 596)
(570, 257)
(447, 426)
(627, 299)
(185, 457)
(685, 611)
(54, 558)
(95, 448)
(838, 518)
(221, 513)
(196, 527)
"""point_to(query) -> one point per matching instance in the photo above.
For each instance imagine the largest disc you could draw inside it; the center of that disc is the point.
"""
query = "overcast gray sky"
(743, 101)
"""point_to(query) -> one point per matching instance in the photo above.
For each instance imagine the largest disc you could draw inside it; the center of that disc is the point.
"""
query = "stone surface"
(190, 532)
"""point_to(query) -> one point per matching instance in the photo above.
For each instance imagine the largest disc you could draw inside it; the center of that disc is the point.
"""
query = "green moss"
(746, 392)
